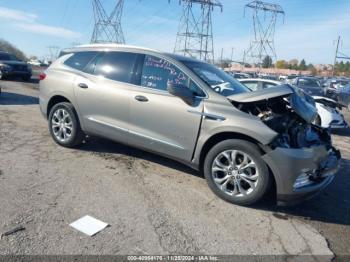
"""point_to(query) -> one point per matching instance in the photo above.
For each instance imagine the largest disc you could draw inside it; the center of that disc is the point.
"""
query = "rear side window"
(117, 66)
(158, 72)
(80, 60)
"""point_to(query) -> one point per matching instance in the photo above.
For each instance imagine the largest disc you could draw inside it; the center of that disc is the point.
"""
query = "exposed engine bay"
(291, 116)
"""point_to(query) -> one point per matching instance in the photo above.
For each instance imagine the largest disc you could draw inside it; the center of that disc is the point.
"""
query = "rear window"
(80, 60)
(117, 66)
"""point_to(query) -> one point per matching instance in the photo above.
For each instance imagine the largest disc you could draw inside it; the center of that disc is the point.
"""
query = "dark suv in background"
(11, 66)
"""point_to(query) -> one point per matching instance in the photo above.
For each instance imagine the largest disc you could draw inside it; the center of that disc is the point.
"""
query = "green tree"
(302, 65)
(281, 64)
(10, 48)
(267, 62)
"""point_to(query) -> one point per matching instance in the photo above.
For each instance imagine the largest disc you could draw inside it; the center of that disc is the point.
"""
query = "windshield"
(7, 57)
(218, 80)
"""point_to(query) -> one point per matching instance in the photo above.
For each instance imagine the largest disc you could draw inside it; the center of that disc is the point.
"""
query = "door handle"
(82, 85)
(141, 98)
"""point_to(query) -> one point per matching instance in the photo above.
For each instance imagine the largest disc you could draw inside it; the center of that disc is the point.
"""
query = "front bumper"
(287, 164)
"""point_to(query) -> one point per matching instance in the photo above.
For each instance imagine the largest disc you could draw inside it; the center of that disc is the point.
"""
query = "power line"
(108, 28)
(195, 34)
(264, 16)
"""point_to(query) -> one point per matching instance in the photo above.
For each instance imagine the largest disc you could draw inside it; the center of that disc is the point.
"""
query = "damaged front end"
(301, 156)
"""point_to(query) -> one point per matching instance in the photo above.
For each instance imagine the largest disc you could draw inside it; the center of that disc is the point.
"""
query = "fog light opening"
(305, 179)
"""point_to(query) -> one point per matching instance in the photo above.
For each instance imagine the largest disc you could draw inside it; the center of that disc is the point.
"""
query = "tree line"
(10, 48)
(293, 64)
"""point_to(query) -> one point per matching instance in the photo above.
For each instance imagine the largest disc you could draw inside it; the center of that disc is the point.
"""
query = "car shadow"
(331, 205)
(111, 150)
(17, 99)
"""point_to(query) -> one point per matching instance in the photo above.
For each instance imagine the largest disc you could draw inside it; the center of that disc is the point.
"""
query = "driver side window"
(158, 72)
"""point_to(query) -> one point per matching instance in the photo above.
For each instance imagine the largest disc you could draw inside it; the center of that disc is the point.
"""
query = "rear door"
(160, 121)
(103, 94)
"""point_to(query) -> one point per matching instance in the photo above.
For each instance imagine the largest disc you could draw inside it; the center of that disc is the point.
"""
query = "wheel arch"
(216, 138)
(55, 100)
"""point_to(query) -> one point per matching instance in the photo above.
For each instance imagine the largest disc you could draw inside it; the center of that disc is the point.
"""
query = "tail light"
(42, 76)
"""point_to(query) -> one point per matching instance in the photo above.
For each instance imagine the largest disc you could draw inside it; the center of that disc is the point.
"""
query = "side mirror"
(182, 92)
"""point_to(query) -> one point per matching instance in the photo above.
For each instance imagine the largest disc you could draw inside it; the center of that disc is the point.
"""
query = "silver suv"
(191, 111)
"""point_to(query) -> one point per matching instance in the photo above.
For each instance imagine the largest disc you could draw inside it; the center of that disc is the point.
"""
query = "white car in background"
(328, 115)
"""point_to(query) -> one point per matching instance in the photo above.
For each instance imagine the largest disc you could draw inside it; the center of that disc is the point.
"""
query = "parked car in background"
(343, 96)
(333, 87)
(289, 79)
(240, 75)
(11, 66)
(309, 85)
(328, 115)
(193, 112)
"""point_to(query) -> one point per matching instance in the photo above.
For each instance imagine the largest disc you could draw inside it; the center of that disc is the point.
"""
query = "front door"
(160, 121)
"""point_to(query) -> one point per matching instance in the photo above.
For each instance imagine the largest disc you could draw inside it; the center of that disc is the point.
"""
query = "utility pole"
(53, 50)
(108, 28)
(222, 54)
(264, 16)
(232, 54)
(336, 56)
(195, 34)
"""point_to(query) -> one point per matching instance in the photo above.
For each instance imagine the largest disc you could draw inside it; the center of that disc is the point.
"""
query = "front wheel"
(64, 125)
(236, 172)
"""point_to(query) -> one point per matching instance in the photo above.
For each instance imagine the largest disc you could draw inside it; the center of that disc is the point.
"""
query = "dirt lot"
(154, 205)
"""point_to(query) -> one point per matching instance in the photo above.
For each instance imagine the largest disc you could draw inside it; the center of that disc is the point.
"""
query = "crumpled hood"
(301, 103)
(263, 94)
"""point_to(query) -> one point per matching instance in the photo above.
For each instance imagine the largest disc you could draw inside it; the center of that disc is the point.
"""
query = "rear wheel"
(236, 172)
(64, 125)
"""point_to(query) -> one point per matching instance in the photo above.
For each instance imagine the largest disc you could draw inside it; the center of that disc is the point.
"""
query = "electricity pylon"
(264, 21)
(195, 34)
(108, 28)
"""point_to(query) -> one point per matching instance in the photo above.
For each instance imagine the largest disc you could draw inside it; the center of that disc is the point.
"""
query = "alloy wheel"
(62, 125)
(235, 173)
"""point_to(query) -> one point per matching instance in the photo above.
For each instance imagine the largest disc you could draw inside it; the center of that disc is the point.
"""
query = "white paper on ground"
(89, 225)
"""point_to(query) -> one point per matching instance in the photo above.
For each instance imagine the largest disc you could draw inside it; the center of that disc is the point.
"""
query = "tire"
(242, 192)
(64, 125)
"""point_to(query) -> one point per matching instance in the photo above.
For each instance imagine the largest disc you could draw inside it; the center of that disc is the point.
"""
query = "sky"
(308, 30)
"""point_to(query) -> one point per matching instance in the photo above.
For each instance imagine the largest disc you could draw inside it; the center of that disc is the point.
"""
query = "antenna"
(264, 21)
(107, 29)
(195, 34)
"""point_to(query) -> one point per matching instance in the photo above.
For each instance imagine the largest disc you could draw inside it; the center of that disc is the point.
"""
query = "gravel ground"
(153, 205)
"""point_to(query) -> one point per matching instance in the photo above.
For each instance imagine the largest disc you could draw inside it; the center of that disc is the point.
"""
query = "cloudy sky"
(309, 29)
